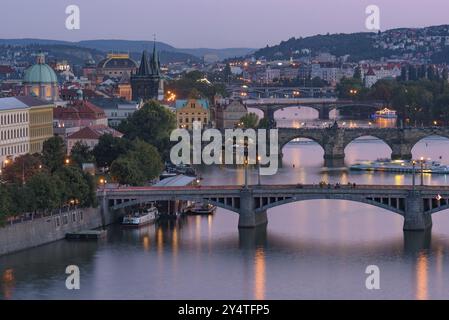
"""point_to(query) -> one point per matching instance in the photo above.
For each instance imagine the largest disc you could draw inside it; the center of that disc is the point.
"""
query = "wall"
(40, 231)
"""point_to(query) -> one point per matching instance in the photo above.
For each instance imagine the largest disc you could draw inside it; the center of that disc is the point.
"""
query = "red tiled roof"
(79, 110)
(94, 133)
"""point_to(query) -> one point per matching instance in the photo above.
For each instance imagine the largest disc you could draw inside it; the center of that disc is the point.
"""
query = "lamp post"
(246, 172)
(413, 174)
(422, 171)
(258, 170)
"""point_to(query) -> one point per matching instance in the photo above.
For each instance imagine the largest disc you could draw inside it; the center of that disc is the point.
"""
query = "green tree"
(153, 124)
(72, 185)
(148, 159)
(22, 168)
(5, 203)
(53, 153)
(250, 121)
(108, 149)
(126, 170)
(45, 192)
(81, 153)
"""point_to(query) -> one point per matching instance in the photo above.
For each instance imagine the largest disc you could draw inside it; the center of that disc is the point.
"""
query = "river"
(312, 249)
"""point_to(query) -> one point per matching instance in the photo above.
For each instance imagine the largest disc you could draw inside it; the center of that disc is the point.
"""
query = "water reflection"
(259, 274)
(422, 277)
(8, 282)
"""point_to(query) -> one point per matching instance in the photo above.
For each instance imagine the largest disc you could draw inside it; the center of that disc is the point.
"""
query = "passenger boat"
(141, 218)
(200, 208)
(385, 114)
(401, 166)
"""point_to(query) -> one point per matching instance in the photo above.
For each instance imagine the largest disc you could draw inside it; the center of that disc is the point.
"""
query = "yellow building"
(41, 125)
(188, 111)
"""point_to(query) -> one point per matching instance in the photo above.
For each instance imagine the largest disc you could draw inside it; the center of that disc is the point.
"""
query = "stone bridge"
(334, 140)
(323, 105)
(415, 204)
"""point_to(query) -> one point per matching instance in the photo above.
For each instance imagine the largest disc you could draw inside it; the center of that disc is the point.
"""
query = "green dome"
(40, 73)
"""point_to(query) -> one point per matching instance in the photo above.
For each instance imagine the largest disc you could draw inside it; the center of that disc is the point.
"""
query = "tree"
(72, 185)
(108, 149)
(250, 121)
(53, 153)
(81, 153)
(22, 168)
(126, 170)
(264, 123)
(45, 190)
(153, 124)
(5, 203)
(148, 159)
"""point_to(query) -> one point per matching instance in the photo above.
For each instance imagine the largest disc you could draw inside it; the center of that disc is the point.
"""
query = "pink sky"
(210, 23)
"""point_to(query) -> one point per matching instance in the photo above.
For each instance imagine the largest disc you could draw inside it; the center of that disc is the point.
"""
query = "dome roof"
(117, 61)
(40, 73)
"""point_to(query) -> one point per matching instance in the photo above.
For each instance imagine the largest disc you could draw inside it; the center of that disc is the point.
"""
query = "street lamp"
(422, 170)
(258, 170)
(413, 174)
(67, 161)
(246, 172)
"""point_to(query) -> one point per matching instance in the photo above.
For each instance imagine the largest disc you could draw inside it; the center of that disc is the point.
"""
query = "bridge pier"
(334, 155)
(323, 112)
(401, 151)
(415, 219)
(248, 218)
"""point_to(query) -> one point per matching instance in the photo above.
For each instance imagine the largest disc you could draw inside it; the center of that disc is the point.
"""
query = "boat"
(199, 208)
(401, 166)
(385, 114)
(141, 217)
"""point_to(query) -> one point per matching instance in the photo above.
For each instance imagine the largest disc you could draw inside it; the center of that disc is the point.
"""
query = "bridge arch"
(397, 206)
(224, 204)
(414, 146)
(386, 145)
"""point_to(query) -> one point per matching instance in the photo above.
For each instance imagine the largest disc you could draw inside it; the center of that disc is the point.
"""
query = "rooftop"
(22, 102)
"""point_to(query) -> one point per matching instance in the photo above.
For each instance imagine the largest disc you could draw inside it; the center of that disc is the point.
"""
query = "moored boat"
(401, 166)
(141, 217)
(200, 208)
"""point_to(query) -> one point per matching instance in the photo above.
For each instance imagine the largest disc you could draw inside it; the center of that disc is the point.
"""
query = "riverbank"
(32, 233)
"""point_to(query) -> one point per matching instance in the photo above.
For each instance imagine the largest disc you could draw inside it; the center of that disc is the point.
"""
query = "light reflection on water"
(311, 249)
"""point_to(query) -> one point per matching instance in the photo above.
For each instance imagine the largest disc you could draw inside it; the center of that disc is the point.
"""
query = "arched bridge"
(415, 204)
(323, 105)
(334, 140)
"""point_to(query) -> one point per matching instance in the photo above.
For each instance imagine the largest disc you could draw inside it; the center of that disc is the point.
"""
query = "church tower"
(147, 82)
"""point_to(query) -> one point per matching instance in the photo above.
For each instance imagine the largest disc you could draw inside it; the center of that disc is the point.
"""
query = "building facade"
(116, 109)
(188, 111)
(25, 123)
(227, 116)
(115, 66)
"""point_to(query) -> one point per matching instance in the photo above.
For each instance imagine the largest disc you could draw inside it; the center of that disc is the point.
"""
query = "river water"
(311, 249)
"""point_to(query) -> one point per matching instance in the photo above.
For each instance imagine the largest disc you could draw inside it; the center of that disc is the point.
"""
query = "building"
(147, 83)
(116, 109)
(124, 89)
(188, 111)
(370, 78)
(25, 123)
(77, 115)
(41, 81)
(90, 136)
(114, 66)
(228, 115)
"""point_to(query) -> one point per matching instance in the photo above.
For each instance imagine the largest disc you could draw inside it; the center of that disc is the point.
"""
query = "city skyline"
(198, 24)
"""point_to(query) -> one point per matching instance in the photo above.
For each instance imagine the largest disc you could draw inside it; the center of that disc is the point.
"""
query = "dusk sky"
(210, 23)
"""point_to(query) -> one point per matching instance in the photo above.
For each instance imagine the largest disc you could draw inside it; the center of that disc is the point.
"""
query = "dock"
(86, 235)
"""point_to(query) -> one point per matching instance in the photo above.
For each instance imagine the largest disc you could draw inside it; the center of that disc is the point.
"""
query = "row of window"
(14, 118)
(41, 132)
(42, 118)
(13, 134)
(192, 114)
(14, 150)
(192, 120)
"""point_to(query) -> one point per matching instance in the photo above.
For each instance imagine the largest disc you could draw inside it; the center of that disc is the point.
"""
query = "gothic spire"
(144, 68)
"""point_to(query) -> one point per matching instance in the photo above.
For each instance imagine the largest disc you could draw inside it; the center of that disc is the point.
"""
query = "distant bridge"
(334, 140)
(259, 92)
(323, 105)
(415, 204)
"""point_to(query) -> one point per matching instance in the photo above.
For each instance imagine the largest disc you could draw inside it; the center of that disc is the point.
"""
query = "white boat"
(401, 166)
(200, 208)
(385, 114)
(141, 218)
